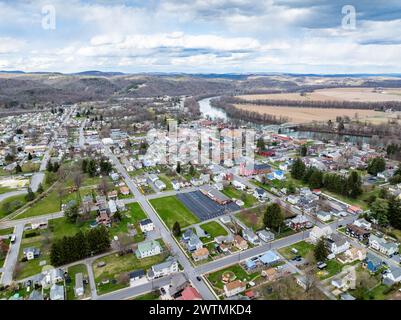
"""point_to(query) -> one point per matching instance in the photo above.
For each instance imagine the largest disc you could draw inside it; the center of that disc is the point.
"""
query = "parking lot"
(203, 207)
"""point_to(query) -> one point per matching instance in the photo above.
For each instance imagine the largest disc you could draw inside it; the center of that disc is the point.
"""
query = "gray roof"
(167, 264)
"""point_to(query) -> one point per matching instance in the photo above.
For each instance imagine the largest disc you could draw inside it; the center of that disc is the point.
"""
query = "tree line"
(326, 104)
(350, 186)
(79, 246)
(245, 115)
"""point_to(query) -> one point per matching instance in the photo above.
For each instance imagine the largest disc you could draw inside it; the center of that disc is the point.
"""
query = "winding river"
(210, 112)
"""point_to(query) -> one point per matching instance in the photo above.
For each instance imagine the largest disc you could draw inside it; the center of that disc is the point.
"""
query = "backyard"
(116, 265)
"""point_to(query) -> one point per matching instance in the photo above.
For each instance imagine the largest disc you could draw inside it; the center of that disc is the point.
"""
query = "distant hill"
(98, 73)
(19, 89)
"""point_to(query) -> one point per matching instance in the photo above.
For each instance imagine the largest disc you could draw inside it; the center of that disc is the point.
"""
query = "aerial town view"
(207, 157)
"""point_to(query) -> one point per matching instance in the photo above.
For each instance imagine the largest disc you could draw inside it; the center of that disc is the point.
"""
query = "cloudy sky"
(201, 36)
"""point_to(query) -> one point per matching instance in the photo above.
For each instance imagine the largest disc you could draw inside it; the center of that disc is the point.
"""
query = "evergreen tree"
(394, 212)
(298, 169)
(273, 217)
(178, 169)
(303, 150)
(320, 251)
(49, 166)
(105, 167)
(18, 168)
(91, 167)
(84, 165)
(176, 229)
(40, 188)
(56, 166)
(316, 179)
(379, 211)
(30, 195)
(192, 170)
(376, 165)
(354, 185)
(29, 156)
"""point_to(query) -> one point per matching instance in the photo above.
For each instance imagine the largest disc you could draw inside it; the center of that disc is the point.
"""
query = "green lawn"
(49, 204)
(166, 181)
(214, 229)
(32, 267)
(333, 267)
(116, 265)
(132, 216)
(231, 192)
(4, 232)
(303, 249)
(170, 209)
(155, 295)
(72, 271)
(216, 277)
(6, 189)
(19, 198)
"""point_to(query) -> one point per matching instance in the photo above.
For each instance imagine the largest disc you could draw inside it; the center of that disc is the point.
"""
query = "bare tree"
(104, 186)
(77, 178)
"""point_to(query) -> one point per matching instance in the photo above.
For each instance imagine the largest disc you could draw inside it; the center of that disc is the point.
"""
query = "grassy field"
(155, 295)
(72, 271)
(117, 265)
(4, 232)
(19, 198)
(332, 94)
(214, 229)
(303, 249)
(231, 192)
(48, 204)
(304, 115)
(170, 209)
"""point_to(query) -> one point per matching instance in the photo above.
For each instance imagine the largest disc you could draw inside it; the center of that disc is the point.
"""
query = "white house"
(160, 185)
(250, 236)
(238, 185)
(265, 235)
(380, 244)
(148, 249)
(337, 244)
(323, 216)
(317, 233)
(260, 193)
(31, 253)
(293, 199)
(392, 276)
(146, 225)
(163, 269)
(362, 223)
(112, 206)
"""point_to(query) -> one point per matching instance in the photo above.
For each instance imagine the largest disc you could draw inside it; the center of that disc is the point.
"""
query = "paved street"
(12, 256)
(12, 194)
(164, 232)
